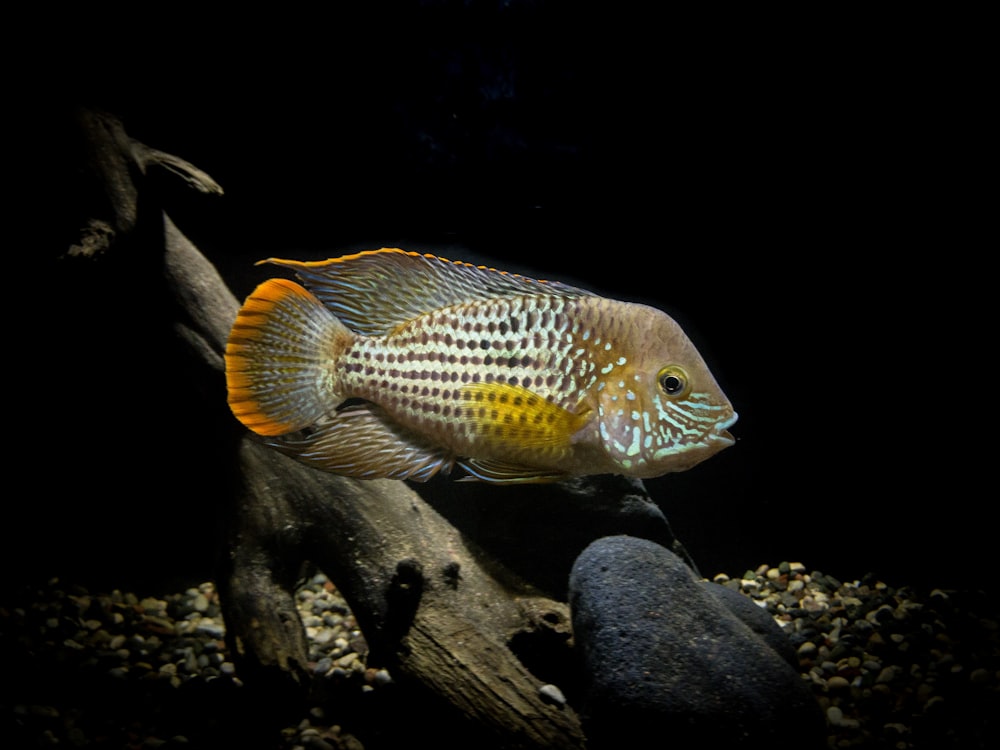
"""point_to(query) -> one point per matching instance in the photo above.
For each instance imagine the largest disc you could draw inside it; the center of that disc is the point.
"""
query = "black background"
(797, 194)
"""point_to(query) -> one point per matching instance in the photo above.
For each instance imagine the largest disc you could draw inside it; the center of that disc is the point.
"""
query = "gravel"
(122, 671)
(891, 667)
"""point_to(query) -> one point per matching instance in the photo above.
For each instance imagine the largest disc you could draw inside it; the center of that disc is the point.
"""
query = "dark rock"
(756, 618)
(669, 657)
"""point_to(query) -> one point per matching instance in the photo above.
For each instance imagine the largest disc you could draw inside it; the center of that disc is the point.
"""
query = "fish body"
(395, 364)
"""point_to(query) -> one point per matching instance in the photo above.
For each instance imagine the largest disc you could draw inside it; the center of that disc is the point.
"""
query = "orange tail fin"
(280, 359)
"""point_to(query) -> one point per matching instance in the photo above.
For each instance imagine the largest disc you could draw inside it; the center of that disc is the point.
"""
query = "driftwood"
(459, 588)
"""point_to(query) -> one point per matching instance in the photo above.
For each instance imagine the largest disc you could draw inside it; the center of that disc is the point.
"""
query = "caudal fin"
(279, 359)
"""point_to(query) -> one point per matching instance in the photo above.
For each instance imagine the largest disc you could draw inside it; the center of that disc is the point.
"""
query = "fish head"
(660, 408)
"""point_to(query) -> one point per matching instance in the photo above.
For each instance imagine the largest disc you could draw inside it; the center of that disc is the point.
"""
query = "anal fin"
(360, 441)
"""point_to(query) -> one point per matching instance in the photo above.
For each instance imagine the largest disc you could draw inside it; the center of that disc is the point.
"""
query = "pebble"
(323, 666)
(207, 626)
(886, 675)
(552, 694)
(836, 717)
(837, 683)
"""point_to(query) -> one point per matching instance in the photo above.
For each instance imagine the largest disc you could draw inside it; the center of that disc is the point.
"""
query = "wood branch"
(425, 603)
(460, 591)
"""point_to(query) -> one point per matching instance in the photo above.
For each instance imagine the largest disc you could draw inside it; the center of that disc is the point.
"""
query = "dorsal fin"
(374, 291)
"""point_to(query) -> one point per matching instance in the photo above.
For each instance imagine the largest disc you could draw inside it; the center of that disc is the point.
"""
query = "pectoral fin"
(497, 472)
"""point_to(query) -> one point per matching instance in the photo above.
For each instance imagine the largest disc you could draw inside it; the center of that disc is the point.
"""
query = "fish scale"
(420, 372)
(396, 364)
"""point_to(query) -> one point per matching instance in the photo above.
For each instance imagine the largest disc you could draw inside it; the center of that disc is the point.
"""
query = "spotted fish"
(395, 364)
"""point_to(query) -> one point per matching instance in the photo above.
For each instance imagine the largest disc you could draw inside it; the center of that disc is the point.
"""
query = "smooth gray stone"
(666, 659)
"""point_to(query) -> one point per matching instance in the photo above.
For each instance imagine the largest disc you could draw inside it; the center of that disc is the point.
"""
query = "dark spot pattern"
(417, 374)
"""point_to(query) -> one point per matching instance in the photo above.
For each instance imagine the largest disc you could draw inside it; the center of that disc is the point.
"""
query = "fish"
(397, 364)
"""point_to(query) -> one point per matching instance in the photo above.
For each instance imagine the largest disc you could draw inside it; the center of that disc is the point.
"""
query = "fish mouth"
(722, 434)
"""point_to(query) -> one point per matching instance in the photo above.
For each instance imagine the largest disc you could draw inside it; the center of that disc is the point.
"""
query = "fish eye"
(673, 381)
